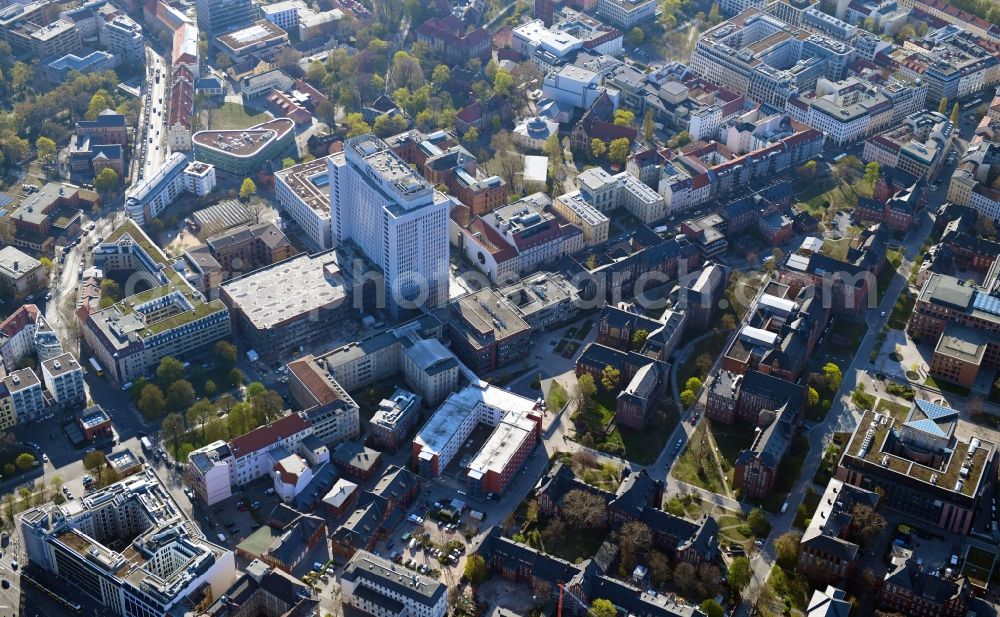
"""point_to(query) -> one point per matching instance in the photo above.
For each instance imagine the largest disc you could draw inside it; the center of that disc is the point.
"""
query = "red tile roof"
(21, 318)
(314, 379)
(266, 436)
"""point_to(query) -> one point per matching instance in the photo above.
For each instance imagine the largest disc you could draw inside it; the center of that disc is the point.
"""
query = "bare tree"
(583, 509)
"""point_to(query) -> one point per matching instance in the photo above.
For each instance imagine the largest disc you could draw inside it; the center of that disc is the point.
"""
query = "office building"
(63, 378)
(216, 16)
(123, 37)
(294, 302)
(931, 465)
(241, 249)
(486, 331)
(543, 300)
(171, 318)
(302, 195)
(380, 587)
(910, 588)
(516, 423)
(626, 14)
(20, 274)
(159, 558)
(395, 217)
(56, 70)
(962, 320)
(58, 38)
(454, 40)
(149, 197)
(919, 146)
(395, 418)
(972, 183)
(262, 40)
(243, 152)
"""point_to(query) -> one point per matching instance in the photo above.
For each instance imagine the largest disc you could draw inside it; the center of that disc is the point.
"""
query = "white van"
(784, 507)
(269, 491)
(222, 538)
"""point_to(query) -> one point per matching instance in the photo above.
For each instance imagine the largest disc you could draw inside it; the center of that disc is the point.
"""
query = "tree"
(954, 113)
(786, 549)
(685, 576)
(609, 377)
(693, 384)
(502, 83)
(46, 147)
(583, 510)
(180, 395)
(7, 231)
(624, 117)
(679, 140)
(984, 227)
(602, 608)
(833, 376)
(9, 469)
(618, 150)
(713, 14)
(199, 413)
(585, 389)
(356, 125)
(943, 105)
(635, 541)
(100, 101)
(871, 172)
(711, 608)
(812, 397)
(688, 397)
(553, 149)
(471, 135)
(598, 148)
(635, 37)
(475, 569)
(225, 354)
(209, 388)
(173, 429)
(648, 124)
(639, 338)
(46, 265)
(866, 523)
(441, 75)
(170, 370)
(24, 461)
(248, 189)
(759, 525)
(659, 568)
(106, 180)
(94, 462)
(739, 574)
(151, 402)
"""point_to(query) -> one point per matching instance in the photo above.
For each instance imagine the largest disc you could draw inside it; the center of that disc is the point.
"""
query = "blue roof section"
(76, 63)
(987, 303)
(207, 82)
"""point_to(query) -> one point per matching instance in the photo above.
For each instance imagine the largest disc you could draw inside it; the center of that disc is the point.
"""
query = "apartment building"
(17, 335)
(63, 378)
(301, 191)
(919, 146)
(158, 560)
(152, 195)
(27, 400)
(20, 274)
(238, 250)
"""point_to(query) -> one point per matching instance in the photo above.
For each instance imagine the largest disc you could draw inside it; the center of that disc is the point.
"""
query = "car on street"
(45, 458)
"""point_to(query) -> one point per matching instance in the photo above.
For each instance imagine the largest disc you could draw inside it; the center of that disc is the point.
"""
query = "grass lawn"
(643, 447)
(863, 400)
(731, 440)
(585, 329)
(557, 397)
(895, 410)
(788, 472)
(946, 386)
(893, 259)
(901, 310)
(696, 467)
(233, 116)
(836, 249)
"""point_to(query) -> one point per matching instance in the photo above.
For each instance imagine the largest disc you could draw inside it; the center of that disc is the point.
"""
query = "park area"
(230, 116)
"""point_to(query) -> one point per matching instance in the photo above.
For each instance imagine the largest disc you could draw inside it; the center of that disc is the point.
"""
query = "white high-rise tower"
(397, 219)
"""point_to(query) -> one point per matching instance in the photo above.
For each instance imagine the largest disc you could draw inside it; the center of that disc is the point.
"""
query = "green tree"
(711, 608)
(624, 117)
(225, 354)
(872, 171)
(287, 162)
(475, 569)
(9, 469)
(441, 75)
(553, 149)
(943, 105)
(24, 461)
(106, 180)
(833, 376)
(786, 549)
(94, 463)
(598, 148)
(46, 147)
(471, 135)
(713, 14)
(172, 428)
(693, 384)
(586, 389)
(152, 402)
(812, 397)
(679, 140)
(356, 125)
(635, 37)
(503, 81)
(7, 229)
(739, 574)
(609, 377)
(180, 395)
(169, 370)
(209, 388)
(248, 189)
(618, 150)
(602, 608)
(759, 525)
(100, 101)
(199, 414)
(648, 124)
(954, 113)
(687, 397)
(639, 338)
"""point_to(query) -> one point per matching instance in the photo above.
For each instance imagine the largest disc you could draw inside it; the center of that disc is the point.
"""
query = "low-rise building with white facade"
(63, 378)
(379, 587)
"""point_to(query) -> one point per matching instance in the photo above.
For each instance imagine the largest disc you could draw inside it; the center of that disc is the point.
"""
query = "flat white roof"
(758, 335)
(777, 304)
(456, 409)
(536, 168)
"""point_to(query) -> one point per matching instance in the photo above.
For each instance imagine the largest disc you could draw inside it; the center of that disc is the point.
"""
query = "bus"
(840, 157)
(94, 364)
